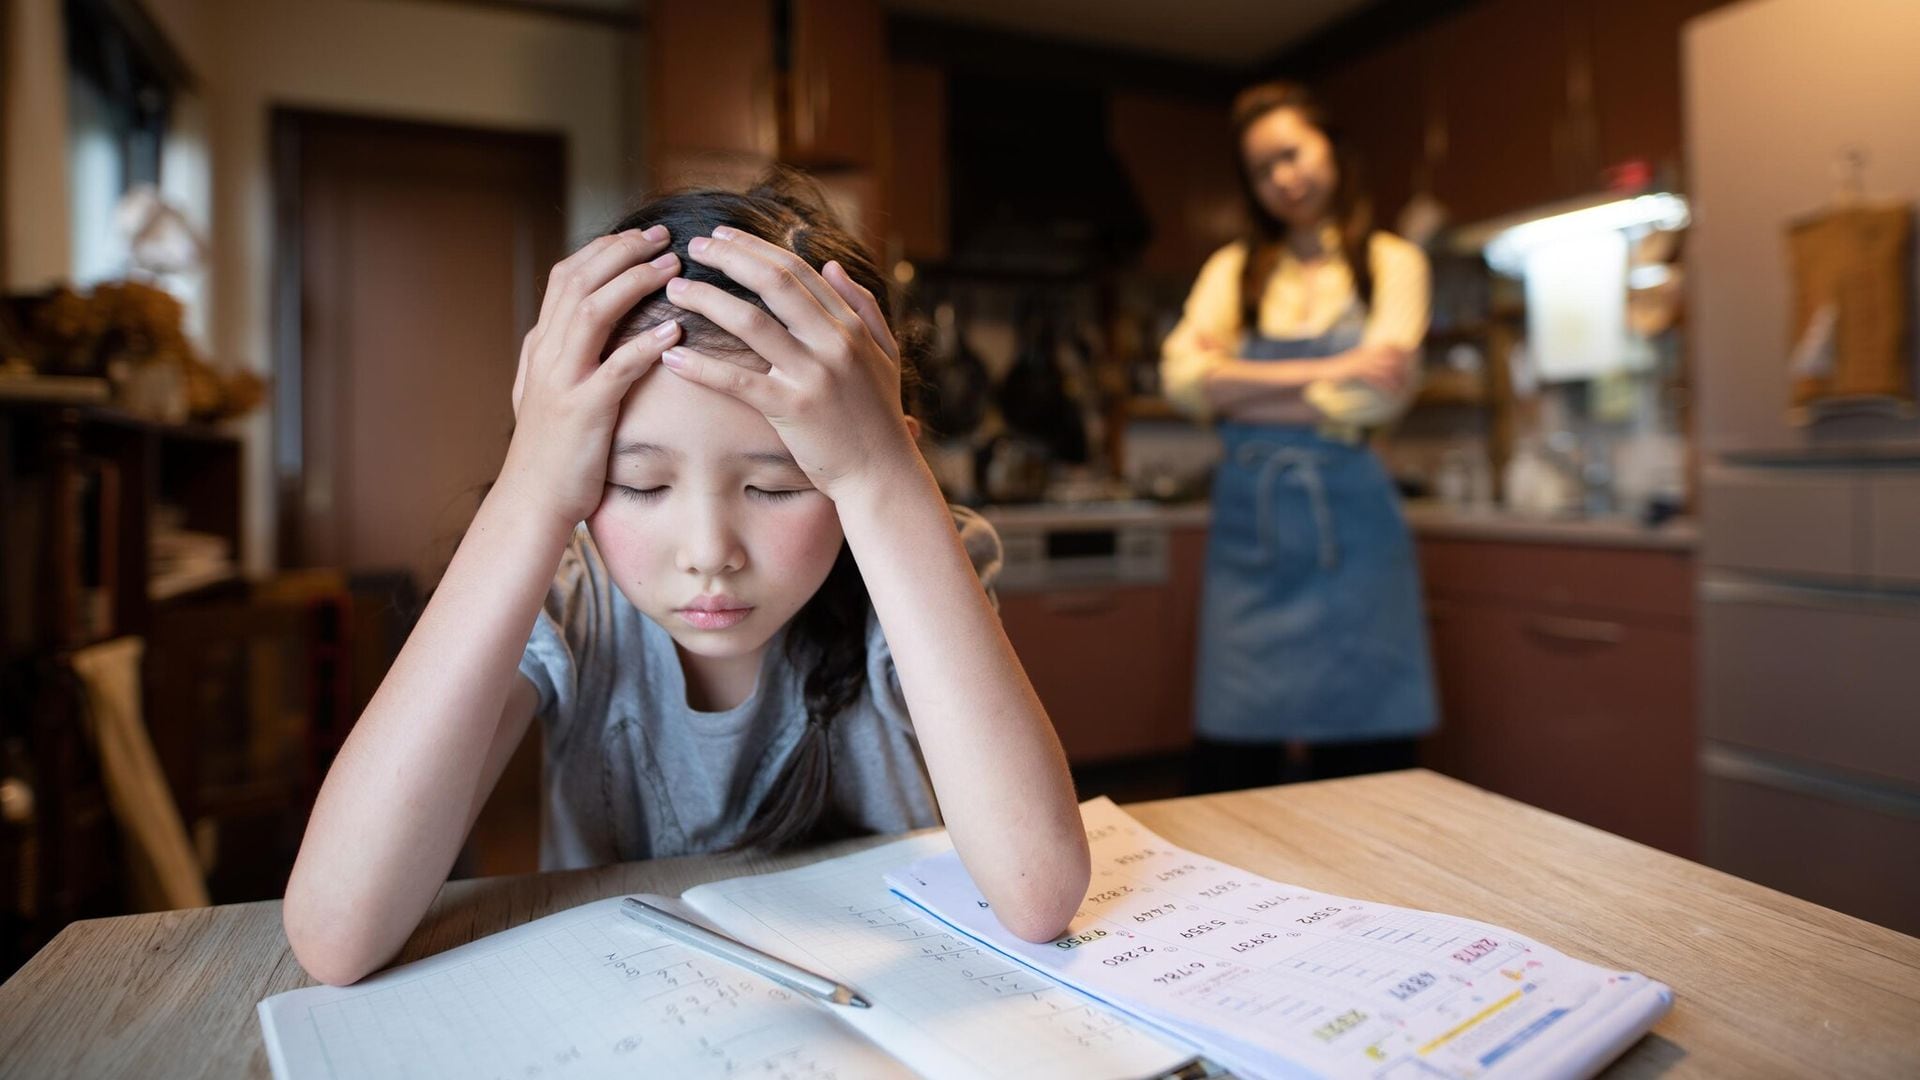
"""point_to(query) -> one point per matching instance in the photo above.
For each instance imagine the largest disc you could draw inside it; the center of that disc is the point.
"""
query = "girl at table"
(755, 621)
(1295, 340)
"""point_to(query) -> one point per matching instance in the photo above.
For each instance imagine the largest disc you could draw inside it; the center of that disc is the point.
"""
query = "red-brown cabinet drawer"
(1643, 582)
(1587, 717)
(1110, 664)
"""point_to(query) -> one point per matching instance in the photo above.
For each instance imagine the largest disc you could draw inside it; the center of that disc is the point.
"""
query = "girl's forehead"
(691, 421)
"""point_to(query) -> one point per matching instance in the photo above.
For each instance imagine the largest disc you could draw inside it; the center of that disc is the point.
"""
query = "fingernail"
(654, 232)
(723, 233)
(697, 245)
(674, 358)
(676, 286)
(666, 330)
(664, 261)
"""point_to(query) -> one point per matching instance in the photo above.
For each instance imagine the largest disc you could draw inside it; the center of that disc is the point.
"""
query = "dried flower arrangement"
(130, 333)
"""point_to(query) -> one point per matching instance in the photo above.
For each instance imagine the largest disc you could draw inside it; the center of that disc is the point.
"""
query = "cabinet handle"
(1584, 631)
(1080, 603)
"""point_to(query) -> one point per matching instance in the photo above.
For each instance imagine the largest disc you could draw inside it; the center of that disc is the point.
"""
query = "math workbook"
(1275, 980)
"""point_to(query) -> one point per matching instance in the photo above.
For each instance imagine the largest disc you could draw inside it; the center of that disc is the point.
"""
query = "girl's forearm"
(996, 763)
(400, 798)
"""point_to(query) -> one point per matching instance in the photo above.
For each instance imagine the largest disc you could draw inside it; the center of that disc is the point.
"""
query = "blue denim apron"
(1310, 624)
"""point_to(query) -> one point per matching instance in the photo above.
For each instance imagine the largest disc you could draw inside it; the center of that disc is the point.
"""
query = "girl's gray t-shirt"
(632, 772)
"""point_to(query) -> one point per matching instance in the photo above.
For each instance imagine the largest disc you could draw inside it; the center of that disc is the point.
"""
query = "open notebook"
(1171, 952)
(591, 993)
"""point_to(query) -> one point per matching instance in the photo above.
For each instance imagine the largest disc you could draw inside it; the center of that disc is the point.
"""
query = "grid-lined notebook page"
(941, 1003)
(584, 993)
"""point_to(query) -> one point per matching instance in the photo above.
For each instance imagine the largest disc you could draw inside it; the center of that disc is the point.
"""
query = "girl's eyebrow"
(775, 459)
(644, 449)
(758, 457)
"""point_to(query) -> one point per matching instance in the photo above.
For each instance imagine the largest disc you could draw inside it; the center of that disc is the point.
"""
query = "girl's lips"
(714, 620)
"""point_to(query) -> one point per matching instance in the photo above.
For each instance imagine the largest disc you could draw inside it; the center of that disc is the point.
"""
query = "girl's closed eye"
(777, 494)
(635, 494)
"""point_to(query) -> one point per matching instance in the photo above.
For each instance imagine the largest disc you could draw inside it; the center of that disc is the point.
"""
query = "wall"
(33, 87)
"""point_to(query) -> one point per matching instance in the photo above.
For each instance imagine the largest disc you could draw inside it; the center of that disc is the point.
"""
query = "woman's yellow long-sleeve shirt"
(1300, 301)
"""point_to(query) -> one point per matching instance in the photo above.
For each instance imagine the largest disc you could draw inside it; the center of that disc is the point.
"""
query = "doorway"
(409, 263)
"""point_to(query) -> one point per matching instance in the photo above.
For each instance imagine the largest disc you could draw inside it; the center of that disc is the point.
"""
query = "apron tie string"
(1275, 461)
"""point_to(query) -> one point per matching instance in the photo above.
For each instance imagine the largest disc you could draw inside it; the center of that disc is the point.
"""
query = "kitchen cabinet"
(739, 84)
(1635, 50)
(1501, 71)
(1113, 663)
(1180, 157)
(1566, 680)
(918, 162)
(1384, 101)
(712, 95)
(1533, 101)
(836, 80)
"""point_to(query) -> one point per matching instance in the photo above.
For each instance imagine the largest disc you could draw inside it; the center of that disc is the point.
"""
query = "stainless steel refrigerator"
(1810, 562)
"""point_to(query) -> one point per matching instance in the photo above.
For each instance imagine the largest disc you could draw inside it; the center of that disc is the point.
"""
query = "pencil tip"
(858, 1002)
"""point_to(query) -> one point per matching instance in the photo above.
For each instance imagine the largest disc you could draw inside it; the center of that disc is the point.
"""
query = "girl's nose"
(711, 546)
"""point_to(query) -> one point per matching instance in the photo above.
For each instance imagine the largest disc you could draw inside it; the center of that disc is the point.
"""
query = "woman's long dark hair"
(1352, 208)
(827, 638)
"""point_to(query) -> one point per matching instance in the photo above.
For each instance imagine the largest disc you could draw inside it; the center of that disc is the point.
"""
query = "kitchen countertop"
(1432, 518)
(1096, 515)
(1427, 517)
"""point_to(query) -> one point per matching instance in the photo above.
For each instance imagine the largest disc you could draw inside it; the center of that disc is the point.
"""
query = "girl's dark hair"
(827, 638)
(1351, 207)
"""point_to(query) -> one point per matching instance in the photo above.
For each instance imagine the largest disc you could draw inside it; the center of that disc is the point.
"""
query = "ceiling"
(1228, 33)
(1233, 33)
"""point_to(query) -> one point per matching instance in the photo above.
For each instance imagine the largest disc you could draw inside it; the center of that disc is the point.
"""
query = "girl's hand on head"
(832, 390)
(566, 397)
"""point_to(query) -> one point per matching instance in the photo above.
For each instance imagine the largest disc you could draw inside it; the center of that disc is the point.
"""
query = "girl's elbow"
(1050, 904)
(331, 954)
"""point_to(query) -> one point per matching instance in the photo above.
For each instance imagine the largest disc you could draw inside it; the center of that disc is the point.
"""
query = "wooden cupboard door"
(835, 82)
(1104, 665)
(1635, 49)
(1384, 101)
(1590, 718)
(1181, 159)
(713, 80)
(1503, 66)
(921, 220)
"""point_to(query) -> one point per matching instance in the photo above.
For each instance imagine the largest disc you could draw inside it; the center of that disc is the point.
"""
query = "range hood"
(1037, 189)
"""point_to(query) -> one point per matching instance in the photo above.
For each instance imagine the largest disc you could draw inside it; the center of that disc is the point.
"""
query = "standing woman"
(1295, 341)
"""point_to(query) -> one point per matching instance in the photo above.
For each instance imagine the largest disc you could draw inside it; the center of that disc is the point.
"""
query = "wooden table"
(1765, 984)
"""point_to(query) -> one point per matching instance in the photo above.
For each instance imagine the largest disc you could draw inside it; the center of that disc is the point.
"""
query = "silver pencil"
(772, 967)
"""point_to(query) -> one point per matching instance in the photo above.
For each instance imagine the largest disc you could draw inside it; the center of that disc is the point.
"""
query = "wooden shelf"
(1450, 387)
(1152, 408)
